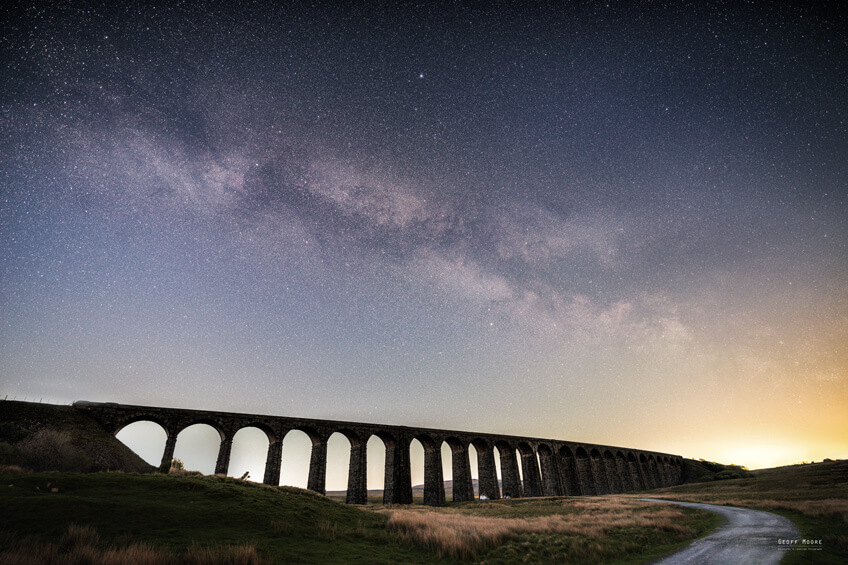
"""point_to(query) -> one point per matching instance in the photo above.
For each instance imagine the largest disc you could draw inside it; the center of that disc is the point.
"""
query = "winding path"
(746, 537)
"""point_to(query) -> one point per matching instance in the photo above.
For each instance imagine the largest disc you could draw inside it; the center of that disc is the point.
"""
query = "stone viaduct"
(549, 467)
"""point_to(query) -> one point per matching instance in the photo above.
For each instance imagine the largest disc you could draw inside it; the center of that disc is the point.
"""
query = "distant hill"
(698, 471)
(50, 437)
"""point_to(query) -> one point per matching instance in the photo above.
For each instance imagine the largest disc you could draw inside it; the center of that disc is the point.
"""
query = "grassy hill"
(176, 513)
(699, 471)
(54, 437)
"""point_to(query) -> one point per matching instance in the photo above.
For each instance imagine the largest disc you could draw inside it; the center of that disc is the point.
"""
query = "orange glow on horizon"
(765, 453)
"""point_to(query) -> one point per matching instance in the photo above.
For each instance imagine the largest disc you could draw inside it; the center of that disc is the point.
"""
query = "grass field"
(178, 513)
(178, 518)
(552, 530)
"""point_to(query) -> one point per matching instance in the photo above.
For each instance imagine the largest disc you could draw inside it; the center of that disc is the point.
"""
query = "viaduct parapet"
(549, 467)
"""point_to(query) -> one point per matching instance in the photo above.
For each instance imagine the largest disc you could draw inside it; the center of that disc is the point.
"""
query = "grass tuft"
(81, 545)
(137, 554)
(78, 536)
(12, 470)
(244, 554)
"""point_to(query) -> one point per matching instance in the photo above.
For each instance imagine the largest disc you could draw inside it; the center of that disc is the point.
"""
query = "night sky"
(621, 223)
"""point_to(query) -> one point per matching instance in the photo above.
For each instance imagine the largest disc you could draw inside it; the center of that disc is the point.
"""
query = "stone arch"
(623, 472)
(585, 471)
(146, 437)
(296, 451)
(611, 469)
(447, 462)
(417, 453)
(383, 453)
(397, 483)
(677, 468)
(140, 418)
(248, 452)
(497, 456)
(273, 459)
(474, 468)
(569, 474)
(211, 422)
(596, 460)
(463, 486)
(375, 454)
(261, 426)
(340, 442)
(357, 474)
(226, 440)
(198, 446)
(550, 470)
(434, 483)
(530, 473)
(317, 477)
(661, 480)
(654, 471)
(487, 480)
(665, 471)
(635, 472)
(510, 478)
(647, 474)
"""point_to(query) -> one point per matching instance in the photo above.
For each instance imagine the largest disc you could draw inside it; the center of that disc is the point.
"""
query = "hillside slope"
(52, 437)
(176, 513)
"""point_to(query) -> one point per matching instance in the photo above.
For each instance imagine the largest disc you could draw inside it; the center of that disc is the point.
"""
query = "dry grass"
(13, 470)
(282, 527)
(139, 554)
(327, 528)
(462, 536)
(184, 472)
(244, 554)
(826, 507)
(78, 536)
(81, 545)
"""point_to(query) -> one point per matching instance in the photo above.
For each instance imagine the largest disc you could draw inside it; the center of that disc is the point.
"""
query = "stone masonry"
(549, 467)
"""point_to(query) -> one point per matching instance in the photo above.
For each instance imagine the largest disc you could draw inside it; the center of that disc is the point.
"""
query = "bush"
(11, 432)
(705, 471)
(9, 454)
(50, 450)
(733, 472)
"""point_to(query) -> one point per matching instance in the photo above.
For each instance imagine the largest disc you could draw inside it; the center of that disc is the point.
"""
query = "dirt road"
(746, 537)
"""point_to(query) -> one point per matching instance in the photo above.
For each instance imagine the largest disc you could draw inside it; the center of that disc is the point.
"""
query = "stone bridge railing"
(549, 467)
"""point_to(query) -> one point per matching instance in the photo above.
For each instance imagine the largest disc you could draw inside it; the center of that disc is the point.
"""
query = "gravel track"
(746, 537)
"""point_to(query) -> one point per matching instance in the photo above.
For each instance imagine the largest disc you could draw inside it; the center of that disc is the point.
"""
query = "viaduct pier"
(549, 467)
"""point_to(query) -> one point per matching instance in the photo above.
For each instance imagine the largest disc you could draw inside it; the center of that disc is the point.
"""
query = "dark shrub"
(50, 450)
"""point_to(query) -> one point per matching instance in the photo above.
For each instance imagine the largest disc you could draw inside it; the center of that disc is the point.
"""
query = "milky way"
(614, 223)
